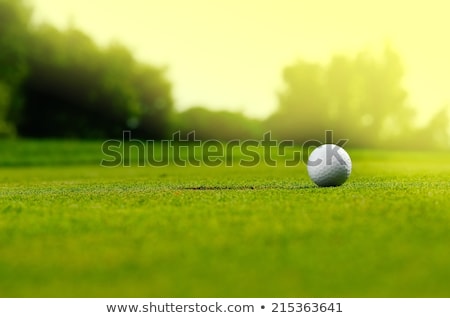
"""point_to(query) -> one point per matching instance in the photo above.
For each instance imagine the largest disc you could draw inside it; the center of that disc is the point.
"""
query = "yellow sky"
(229, 54)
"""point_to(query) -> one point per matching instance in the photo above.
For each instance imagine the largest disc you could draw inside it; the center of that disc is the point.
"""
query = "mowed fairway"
(87, 231)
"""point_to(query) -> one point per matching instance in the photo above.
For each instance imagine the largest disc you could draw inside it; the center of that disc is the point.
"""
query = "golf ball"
(329, 165)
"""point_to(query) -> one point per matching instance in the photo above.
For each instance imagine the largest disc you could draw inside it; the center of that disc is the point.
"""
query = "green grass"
(85, 231)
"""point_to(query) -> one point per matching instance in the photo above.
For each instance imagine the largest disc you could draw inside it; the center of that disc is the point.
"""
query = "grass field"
(69, 228)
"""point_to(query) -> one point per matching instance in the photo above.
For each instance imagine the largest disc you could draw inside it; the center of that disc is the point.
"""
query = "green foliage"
(57, 83)
(76, 89)
(156, 103)
(358, 98)
(437, 131)
(435, 135)
(14, 24)
(87, 231)
(6, 129)
(60, 83)
(220, 125)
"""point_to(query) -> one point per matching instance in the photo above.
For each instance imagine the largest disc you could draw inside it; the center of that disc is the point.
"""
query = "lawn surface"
(80, 230)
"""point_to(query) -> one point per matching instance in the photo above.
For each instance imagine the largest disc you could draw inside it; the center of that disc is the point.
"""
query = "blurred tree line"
(220, 125)
(61, 84)
(360, 98)
(57, 83)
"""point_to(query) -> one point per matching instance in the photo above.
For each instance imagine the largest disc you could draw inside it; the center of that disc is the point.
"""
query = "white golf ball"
(329, 165)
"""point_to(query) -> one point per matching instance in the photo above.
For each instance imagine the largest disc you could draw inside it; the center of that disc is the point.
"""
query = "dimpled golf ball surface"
(329, 165)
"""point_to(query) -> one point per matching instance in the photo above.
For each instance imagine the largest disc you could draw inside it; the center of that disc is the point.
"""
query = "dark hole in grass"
(262, 187)
(220, 188)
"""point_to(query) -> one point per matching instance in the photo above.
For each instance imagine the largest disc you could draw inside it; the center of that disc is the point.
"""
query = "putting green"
(81, 230)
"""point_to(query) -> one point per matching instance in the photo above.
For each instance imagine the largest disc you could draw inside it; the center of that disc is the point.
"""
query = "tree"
(358, 98)
(14, 23)
(434, 135)
(220, 125)
(62, 70)
(76, 89)
(303, 103)
(6, 128)
(154, 93)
